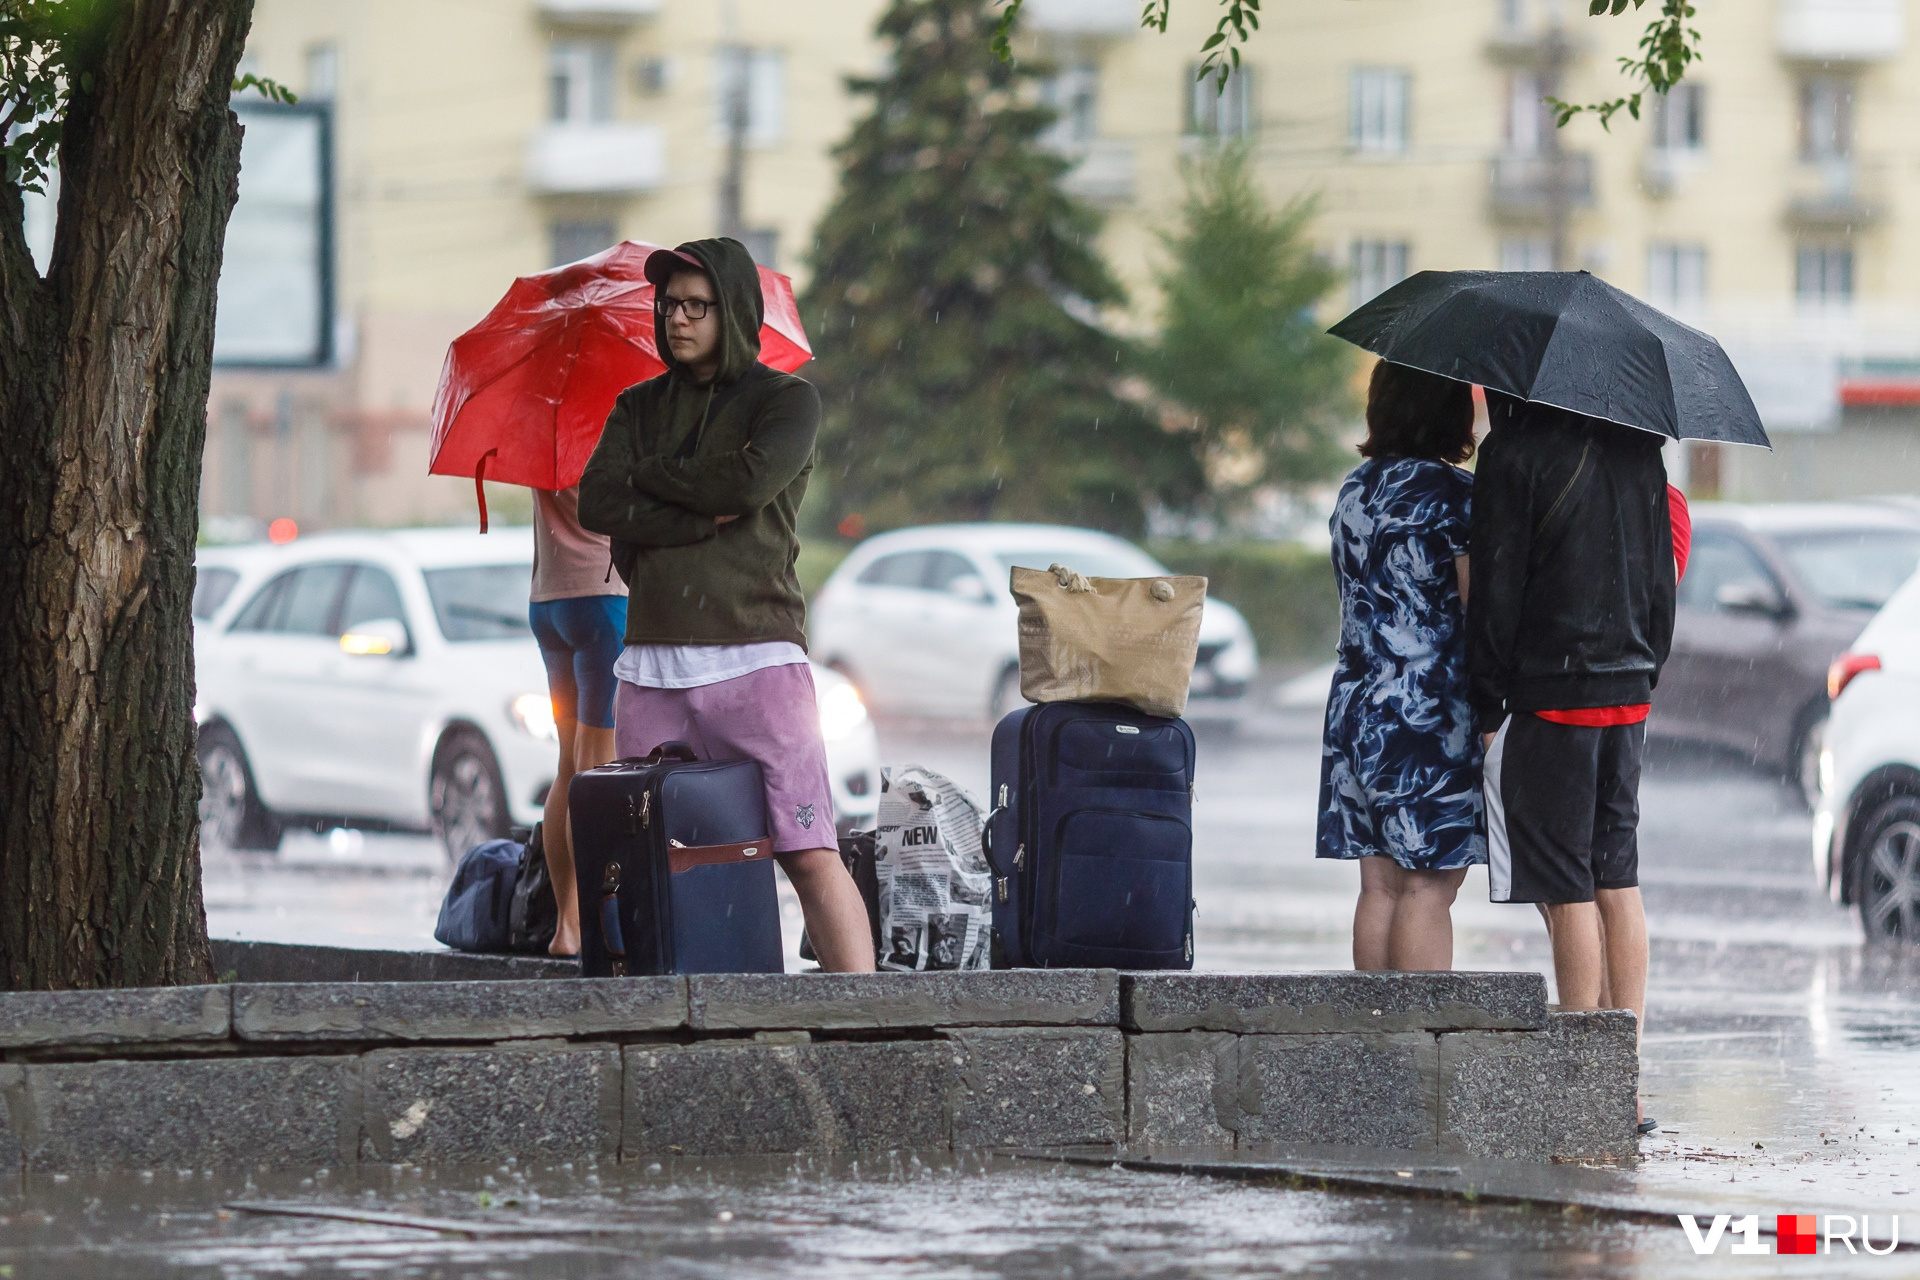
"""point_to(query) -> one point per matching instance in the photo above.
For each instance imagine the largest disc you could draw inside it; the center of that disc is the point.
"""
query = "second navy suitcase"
(674, 866)
(1091, 838)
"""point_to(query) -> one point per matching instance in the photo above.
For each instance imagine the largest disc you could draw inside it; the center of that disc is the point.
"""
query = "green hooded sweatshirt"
(676, 453)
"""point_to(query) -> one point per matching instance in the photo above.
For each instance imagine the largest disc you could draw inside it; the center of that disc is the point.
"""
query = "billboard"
(276, 282)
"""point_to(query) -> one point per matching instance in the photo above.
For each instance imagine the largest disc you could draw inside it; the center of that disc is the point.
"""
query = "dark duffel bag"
(534, 916)
(674, 866)
(1091, 838)
(476, 914)
(857, 855)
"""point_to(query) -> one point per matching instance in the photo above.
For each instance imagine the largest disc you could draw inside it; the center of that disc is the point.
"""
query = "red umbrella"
(524, 393)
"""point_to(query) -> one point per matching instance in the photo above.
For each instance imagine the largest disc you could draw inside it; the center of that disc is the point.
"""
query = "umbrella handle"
(480, 485)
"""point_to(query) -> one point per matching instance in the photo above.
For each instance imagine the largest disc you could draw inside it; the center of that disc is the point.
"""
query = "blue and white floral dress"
(1400, 766)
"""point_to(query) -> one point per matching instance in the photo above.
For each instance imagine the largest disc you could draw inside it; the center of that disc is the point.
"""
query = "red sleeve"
(1682, 530)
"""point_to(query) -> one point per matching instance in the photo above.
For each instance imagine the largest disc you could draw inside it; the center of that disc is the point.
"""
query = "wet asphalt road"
(1779, 1056)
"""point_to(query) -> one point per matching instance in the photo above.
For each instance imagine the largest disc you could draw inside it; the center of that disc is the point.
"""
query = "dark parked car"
(1772, 595)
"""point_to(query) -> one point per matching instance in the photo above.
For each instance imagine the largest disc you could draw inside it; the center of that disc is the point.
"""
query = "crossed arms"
(656, 501)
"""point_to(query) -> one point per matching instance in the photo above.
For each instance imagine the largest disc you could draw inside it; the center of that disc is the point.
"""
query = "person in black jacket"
(1568, 625)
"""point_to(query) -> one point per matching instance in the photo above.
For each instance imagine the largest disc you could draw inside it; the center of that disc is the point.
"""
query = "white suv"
(389, 681)
(922, 620)
(1866, 831)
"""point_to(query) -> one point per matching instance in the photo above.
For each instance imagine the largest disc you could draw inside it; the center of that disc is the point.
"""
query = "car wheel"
(1889, 884)
(1804, 763)
(231, 814)
(1006, 695)
(468, 799)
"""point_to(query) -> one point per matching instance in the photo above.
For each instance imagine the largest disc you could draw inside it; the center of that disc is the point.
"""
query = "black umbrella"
(1562, 338)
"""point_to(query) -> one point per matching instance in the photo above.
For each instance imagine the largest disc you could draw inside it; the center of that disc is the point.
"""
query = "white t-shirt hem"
(689, 666)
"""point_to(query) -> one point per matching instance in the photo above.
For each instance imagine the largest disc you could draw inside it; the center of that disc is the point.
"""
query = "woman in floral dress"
(1400, 766)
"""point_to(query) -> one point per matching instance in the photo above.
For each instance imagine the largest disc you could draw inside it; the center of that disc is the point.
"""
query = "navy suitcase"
(674, 866)
(1091, 838)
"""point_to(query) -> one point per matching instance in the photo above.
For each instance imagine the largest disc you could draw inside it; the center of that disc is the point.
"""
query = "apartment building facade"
(458, 143)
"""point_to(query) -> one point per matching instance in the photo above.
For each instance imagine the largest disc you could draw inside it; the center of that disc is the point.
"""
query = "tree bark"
(104, 369)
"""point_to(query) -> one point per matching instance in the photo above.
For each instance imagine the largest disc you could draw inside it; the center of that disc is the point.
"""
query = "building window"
(1677, 274)
(753, 83)
(1074, 95)
(1377, 110)
(574, 240)
(763, 243)
(1225, 113)
(1826, 118)
(1377, 266)
(1823, 273)
(581, 74)
(1529, 253)
(323, 72)
(1680, 118)
(276, 273)
(1529, 120)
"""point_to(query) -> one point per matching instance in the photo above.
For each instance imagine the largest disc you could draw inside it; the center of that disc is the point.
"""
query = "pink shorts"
(767, 715)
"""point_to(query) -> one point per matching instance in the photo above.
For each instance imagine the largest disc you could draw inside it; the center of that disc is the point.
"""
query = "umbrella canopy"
(1562, 338)
(524, 394)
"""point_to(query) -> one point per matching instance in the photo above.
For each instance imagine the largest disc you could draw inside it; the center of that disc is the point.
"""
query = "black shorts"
(1563, 806)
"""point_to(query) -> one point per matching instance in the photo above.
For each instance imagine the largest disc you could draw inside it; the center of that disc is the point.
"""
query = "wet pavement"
(1779, 1058)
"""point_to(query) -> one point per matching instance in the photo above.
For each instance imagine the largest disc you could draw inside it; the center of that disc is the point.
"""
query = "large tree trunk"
(104, 369)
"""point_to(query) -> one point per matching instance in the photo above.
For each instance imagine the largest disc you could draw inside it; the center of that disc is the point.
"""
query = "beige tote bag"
(1130, 640)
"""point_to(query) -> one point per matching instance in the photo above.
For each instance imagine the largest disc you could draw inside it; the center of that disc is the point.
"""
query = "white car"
(922, 620)
(1866, 830)
(390, 681)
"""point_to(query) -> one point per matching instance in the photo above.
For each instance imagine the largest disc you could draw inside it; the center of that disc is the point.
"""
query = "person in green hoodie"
(698, 479)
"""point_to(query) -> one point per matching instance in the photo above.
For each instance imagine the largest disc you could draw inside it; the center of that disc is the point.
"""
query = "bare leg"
(582, 747)
(1623, 937)
(1380, 880)
(1606, 984)
(1421, 940)
(1578, 963)
(835, 912)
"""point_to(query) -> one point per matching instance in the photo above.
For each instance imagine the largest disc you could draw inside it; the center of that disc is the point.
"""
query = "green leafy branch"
(1669, 47)
(272, 90)
(1220, 52)
(40, 50)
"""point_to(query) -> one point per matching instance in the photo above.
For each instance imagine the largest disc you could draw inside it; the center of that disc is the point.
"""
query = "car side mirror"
(377, 638)
(1751, 597)
(970, 586)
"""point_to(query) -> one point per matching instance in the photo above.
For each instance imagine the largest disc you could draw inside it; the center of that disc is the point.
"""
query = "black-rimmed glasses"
(693, 308)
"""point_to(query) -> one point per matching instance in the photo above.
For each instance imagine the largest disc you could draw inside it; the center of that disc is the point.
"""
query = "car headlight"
(534, 713)
(841, 712)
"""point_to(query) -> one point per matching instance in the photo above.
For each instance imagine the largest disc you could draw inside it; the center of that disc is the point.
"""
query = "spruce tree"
(1242, 353)
(954, 306)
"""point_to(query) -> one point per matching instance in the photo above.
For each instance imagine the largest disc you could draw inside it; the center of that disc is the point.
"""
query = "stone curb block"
(1041, 1087)
(741, 1098)
(1355, 1090)
(228, 1113)
(1320, 1003)
(870, 1001)
(139, 1015)
(481, 1105)
(250, 961)
(1567, 1092)
(1179, 1084)
(417, 1011)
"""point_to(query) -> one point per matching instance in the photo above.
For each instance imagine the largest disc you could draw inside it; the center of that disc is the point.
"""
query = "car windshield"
(1853, 568)
(1115, 562)
(481, 602)
(212, 584)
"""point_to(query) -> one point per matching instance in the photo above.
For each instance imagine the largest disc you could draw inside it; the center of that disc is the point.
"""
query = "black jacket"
(1571, 586)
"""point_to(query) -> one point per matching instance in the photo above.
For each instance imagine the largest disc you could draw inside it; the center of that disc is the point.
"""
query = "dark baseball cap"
(664, 264)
